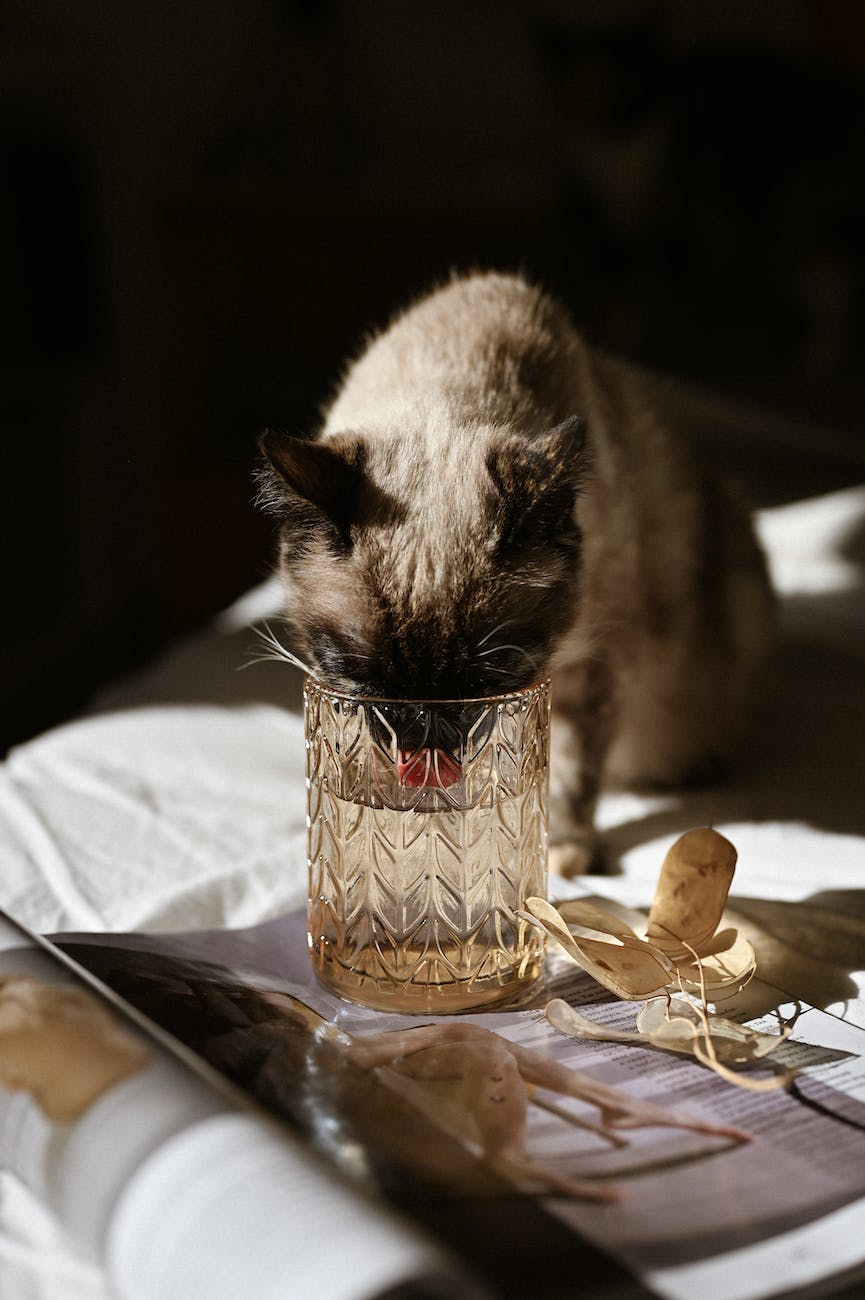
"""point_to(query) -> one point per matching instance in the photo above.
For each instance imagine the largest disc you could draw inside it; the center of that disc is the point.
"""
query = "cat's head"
(408, 575)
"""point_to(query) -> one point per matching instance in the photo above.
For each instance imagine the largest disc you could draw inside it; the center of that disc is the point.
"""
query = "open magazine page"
(264, 1033)
(696, 1212)
(156, 1172)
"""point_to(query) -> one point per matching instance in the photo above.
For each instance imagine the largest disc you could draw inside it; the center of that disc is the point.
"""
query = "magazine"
(160, 1171)
(731, 1194)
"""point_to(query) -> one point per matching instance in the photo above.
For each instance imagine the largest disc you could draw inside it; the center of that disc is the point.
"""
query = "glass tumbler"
(427, 832)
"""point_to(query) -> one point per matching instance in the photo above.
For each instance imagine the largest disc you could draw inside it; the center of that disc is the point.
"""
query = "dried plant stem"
(706, 1053)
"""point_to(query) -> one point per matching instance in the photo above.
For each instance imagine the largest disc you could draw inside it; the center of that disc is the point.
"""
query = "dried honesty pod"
(493, 1080)
(692, 890)
(682, 948)
(621, 961)
(683, 951)
(677, 1025)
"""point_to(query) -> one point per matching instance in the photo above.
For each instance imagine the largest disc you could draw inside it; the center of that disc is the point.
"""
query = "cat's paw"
(578, 857)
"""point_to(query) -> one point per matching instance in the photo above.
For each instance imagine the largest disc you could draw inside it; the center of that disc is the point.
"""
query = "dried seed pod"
(692, 890)
(632, 970)
(588, 916)
(676, 1025)
(724, 965)
(684, 950)
(680, 1021)
(562, 1016)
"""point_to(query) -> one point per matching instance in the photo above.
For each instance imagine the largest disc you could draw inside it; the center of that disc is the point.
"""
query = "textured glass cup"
(427, 833)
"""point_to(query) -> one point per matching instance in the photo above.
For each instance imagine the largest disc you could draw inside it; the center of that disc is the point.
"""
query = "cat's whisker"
(274, 649)
(260, 659)
(497, 649)
(498, 628)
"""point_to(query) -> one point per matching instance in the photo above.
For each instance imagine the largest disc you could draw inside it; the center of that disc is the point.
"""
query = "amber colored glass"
(427, 832)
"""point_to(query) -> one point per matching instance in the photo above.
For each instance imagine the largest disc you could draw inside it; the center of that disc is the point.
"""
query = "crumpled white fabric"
(170, 816)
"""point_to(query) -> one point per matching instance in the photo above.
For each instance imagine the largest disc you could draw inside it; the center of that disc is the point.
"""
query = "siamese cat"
(489, 501)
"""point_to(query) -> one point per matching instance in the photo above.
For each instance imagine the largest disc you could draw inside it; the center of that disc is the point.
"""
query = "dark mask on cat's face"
(412, 578)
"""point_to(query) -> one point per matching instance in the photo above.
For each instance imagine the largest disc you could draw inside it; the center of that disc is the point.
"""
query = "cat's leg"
(583, 721)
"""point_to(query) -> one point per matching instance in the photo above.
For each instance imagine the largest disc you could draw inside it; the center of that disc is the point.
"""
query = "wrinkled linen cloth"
(178, 803)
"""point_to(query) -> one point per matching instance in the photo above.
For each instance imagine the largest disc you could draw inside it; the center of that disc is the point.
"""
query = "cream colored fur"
(653, 665)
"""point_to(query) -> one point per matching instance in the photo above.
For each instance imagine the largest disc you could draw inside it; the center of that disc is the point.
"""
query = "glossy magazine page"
(720, 1192)
(162, 1173)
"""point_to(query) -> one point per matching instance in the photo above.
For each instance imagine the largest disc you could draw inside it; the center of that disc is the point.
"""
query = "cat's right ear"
(308, 485)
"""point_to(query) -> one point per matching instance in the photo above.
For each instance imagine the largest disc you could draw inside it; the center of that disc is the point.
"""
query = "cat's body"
(457, 531)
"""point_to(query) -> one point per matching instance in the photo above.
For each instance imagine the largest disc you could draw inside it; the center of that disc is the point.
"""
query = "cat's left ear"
(311, 484)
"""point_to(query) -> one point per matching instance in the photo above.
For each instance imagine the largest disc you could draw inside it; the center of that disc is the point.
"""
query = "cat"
(490, 500)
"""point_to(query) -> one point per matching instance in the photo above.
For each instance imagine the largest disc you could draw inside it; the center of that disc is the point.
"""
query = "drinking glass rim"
(429, 701)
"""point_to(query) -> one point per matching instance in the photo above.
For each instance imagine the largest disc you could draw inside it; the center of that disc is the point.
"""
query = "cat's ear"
(310, 483)
(550, 467)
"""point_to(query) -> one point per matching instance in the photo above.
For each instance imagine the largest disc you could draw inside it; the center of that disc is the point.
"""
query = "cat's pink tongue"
(430, 768)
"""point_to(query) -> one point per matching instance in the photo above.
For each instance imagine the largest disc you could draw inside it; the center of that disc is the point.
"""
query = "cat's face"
(416, 579)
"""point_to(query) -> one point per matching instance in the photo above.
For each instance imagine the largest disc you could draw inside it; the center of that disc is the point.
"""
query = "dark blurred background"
(204, 206)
